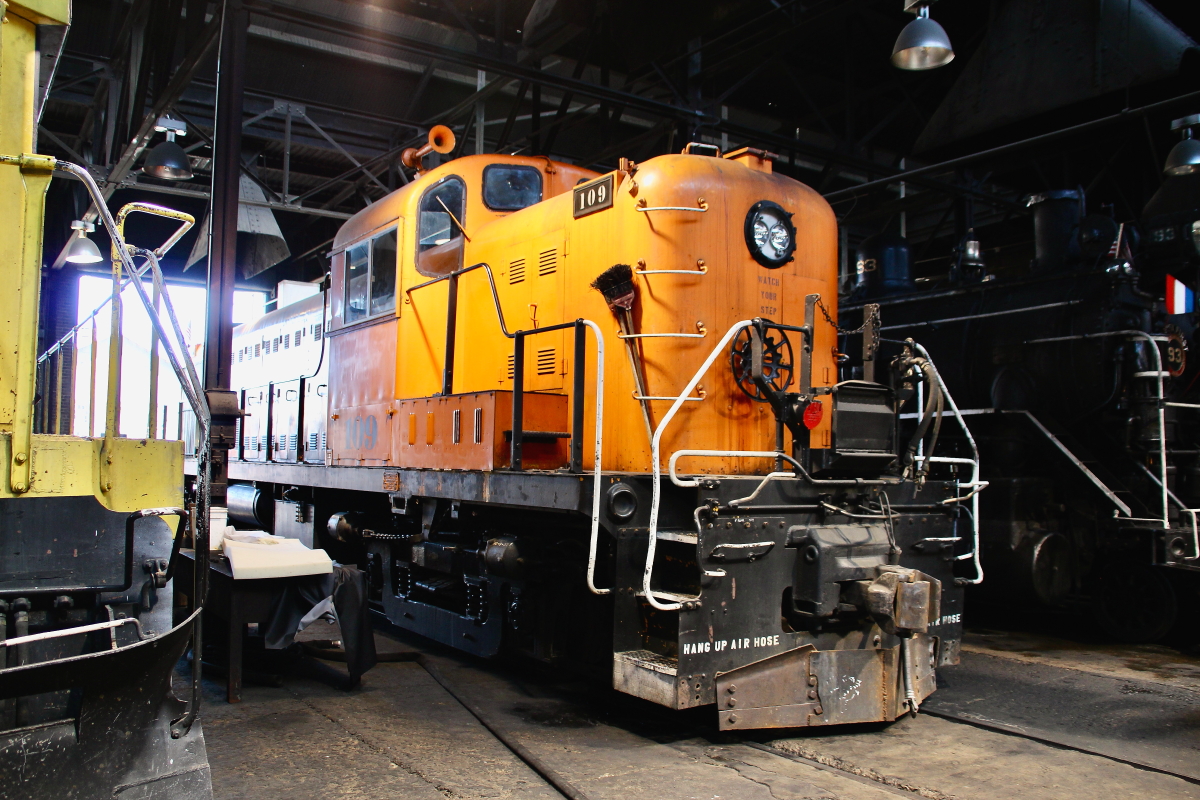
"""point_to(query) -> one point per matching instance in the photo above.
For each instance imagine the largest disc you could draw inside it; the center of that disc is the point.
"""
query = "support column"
(222, 249)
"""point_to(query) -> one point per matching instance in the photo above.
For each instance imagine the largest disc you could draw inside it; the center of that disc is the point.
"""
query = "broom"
(616, 284)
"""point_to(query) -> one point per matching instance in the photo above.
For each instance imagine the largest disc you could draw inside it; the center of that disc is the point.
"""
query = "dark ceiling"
(811, 81)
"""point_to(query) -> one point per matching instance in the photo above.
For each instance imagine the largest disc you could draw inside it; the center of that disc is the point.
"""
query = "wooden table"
(239, 603)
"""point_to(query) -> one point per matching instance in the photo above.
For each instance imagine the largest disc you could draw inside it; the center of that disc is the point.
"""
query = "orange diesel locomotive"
(597, 419)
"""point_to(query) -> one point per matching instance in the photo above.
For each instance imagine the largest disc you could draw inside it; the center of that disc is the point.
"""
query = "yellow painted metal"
(544, 260)
(137, 473)
(42, 12)
(145, 473)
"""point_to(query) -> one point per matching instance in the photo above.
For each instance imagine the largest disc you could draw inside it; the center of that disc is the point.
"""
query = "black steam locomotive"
(1080, 386)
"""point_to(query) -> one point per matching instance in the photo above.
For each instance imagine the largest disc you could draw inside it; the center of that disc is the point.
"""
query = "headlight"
(770, 235)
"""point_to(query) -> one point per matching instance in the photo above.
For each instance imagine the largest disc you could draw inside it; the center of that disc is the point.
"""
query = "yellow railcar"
(87, 640)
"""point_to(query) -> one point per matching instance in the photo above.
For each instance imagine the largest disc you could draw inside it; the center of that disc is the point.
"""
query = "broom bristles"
(616, 284)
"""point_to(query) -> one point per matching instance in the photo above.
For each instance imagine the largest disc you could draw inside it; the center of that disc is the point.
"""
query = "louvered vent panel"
(291, 441)
(546, 361)
(511, 371)
(312, 441)
(516, 271)
(548, 262)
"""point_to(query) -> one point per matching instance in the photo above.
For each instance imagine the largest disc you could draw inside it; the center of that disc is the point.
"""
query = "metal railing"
(176, 347)
(578, 390)
(52, 364)
(1159, 398)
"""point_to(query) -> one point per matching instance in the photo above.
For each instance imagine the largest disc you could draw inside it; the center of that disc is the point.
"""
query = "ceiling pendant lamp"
(167, 160)
(1184, 158)
(81, 249)
(923, 44)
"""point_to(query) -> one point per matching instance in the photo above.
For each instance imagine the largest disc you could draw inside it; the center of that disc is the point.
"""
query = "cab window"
(511, 187)
(371, 277)
(439, 238)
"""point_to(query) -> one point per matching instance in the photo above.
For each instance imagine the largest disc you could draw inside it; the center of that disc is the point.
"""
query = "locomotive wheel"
(1135, 605)
(1051, 569)
(777, 362)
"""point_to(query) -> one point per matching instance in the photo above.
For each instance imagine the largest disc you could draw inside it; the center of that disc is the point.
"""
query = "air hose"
(931, 415)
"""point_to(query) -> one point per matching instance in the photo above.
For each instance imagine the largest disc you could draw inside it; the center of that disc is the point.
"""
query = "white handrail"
(975, 484)
(655, 455)
(595, 539)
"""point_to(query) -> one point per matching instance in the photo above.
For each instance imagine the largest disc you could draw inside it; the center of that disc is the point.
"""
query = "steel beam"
(538, 79)
(129, 156)
(226, 178)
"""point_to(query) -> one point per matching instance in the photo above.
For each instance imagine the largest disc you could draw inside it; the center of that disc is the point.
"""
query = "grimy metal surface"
(117, 741)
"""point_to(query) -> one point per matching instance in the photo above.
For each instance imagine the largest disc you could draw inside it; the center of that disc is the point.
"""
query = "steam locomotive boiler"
(596, 420)
(1078, 376)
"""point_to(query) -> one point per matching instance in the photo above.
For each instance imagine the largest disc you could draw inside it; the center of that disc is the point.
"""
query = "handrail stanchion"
(92, 383)
(152, 416)
(578, 392)
(518, 398)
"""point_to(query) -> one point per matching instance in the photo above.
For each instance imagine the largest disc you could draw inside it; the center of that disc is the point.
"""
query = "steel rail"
(1012, 730)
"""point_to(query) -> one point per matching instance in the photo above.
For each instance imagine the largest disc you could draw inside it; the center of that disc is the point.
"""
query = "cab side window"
(371, 278)
(357, 275)
(383, 273)
(439, 237)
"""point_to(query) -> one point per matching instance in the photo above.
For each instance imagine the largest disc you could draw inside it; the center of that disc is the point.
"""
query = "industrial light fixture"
(1184, 158)
(923, 44)
(81, 249)
(167, 160)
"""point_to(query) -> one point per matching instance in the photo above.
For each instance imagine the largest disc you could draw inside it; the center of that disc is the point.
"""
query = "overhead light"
(81, 249)
(167, 160)
(1184, 158)
(923, 44)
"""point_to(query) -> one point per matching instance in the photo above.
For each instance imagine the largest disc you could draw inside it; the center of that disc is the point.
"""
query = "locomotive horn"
(441, 140)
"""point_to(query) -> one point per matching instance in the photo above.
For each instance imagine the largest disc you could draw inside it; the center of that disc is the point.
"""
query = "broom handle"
(624, 320)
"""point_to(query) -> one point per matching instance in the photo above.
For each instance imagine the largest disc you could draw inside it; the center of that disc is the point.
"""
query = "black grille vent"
(546, 361)
(548, 262)
(516, 271)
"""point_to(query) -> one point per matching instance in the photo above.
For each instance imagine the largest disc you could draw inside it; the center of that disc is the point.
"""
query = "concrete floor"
(401, 735)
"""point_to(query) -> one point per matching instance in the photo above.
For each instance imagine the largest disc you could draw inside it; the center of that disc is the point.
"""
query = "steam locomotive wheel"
(1135, 604)
(777, 362)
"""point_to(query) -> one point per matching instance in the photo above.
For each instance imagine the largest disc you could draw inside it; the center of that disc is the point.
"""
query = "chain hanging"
(870, 314)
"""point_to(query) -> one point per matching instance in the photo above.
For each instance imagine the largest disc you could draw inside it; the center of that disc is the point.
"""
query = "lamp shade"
(83, 250)
(923, 44)
(1184, 158)
(168, 161)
